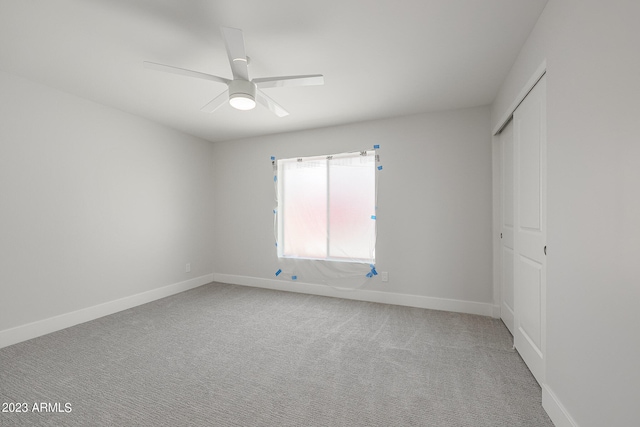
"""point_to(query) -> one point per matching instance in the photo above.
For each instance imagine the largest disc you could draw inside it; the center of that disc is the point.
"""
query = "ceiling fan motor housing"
(242, 88)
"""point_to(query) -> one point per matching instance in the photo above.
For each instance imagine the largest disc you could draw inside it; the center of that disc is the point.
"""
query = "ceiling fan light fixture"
(242, 101)
(242, 94)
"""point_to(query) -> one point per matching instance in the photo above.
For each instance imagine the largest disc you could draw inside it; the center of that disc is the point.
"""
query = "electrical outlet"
(385, 276)
(187, 268)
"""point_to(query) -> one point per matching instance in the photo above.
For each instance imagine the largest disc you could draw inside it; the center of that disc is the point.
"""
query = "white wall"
(96, 205)
(434, 207)
(593, 111)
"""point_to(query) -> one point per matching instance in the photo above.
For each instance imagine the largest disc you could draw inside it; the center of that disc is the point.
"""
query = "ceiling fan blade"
(183, 72)
(216, 102)
(310, 80)
(234, 41)
(270, 104)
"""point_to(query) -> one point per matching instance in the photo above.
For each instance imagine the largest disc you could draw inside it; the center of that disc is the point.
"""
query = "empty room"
(334, 213)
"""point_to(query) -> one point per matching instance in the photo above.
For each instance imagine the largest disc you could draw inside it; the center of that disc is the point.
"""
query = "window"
(327, 207)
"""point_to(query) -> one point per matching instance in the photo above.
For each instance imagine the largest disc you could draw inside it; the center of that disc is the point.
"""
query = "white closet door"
(530, 229)
(506, 226)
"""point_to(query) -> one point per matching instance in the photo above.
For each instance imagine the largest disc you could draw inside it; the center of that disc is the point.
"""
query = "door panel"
(506, 312)
(530, 229)
(530, 285)
(529, 164)
(507, 181)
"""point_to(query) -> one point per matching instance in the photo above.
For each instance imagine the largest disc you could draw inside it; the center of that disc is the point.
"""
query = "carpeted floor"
(226, 355)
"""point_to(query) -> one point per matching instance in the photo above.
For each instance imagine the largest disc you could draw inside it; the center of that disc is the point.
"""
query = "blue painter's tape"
(374, 272)
(276, 244)
(294, 277)
(373, 217)
(273, 158)
(275, 178)
(275, 211)
(369, 275)
(379, 168)
(278, 272)
(376, 146)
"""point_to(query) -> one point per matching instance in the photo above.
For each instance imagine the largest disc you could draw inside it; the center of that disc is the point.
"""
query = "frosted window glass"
(326, 206)
(351, 204)
(305, 209)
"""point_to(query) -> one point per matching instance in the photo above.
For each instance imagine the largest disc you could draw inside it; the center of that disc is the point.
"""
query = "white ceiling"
(380, 58)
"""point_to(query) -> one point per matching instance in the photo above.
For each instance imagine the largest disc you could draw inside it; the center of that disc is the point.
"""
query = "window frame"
(280, 197)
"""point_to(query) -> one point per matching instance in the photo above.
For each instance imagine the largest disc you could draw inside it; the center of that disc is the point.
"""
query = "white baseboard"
(496, 312)
(56, 323)
(556, 411)
(469, 307)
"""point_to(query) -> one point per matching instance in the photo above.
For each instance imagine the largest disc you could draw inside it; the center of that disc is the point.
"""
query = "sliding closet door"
(506, 226)
(530, 229)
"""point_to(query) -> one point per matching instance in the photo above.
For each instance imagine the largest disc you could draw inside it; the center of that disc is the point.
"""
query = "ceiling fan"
(241, 92)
